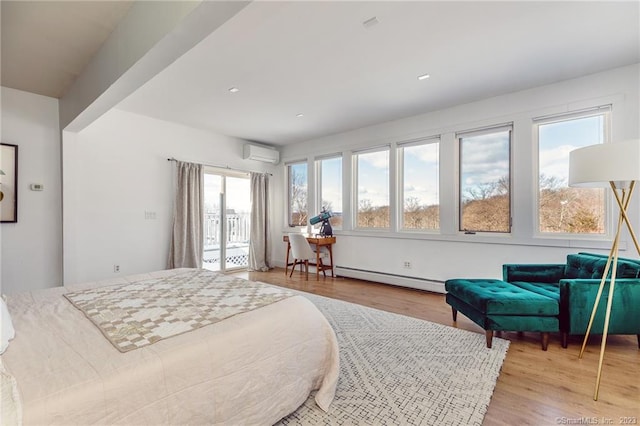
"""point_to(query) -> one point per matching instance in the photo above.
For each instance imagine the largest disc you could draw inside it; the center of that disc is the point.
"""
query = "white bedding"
(252, 368)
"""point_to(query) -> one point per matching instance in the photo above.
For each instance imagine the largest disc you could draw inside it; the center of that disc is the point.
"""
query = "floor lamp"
(616, 165)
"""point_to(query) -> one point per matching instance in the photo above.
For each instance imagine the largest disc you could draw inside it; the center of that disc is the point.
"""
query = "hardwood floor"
(534, 387)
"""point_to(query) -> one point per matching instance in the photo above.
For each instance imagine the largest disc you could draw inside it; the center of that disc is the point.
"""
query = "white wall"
(451, 254)
(114, 171)
(32, 247)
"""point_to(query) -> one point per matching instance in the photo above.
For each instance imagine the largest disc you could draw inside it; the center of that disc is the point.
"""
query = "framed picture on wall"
(8, 182)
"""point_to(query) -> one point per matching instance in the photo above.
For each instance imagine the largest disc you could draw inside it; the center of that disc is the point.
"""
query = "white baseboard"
(386, 278)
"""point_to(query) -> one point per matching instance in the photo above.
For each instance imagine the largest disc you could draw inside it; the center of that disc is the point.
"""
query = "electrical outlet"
(407, 264)
(116, 268)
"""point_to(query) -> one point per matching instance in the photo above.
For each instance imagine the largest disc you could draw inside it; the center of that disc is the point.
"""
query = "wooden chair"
(302, 252)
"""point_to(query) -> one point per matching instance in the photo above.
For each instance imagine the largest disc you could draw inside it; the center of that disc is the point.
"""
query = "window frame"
(509, 127)
(606, 111)
(318, 169)
(290, 211)
(430, 140)
(355, 155)
(224, 175)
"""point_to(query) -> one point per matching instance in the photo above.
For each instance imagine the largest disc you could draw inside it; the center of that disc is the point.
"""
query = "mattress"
(252, 368)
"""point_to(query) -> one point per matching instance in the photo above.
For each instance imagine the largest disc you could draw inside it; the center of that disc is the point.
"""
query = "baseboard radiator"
(394, 279)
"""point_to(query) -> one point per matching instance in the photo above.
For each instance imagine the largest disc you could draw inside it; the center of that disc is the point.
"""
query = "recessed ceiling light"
(300, 115)
(423, 76)
(234, 90)
(370, 22)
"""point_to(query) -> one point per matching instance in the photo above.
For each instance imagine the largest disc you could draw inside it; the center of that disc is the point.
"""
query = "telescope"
(324, 216)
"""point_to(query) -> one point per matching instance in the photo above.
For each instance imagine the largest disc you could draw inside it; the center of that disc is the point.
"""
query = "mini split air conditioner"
(261, 153)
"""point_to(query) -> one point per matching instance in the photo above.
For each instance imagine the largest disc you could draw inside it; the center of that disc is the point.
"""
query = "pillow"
(6, 326)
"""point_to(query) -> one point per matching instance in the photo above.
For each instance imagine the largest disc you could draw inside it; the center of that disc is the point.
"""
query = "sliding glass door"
(227, 221)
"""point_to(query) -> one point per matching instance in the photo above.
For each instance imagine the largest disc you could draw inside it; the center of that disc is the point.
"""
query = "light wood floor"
(534, 387)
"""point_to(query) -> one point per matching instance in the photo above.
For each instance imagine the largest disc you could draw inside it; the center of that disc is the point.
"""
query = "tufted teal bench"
(499, 306)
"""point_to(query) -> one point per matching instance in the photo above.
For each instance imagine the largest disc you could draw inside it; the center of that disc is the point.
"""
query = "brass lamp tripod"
(619, 165)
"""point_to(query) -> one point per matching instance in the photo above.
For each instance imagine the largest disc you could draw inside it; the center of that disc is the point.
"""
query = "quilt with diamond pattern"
(138, 314)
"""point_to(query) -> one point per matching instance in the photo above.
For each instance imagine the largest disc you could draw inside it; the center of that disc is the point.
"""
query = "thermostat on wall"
(36, 187)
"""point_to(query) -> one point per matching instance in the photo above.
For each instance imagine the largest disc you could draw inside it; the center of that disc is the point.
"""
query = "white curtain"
(187, 240)
(260, 239)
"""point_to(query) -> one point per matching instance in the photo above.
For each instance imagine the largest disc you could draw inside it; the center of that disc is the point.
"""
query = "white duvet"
(250, 369)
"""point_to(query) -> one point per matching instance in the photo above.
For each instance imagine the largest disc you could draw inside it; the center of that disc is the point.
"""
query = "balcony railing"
(237, 241)
(237, 228)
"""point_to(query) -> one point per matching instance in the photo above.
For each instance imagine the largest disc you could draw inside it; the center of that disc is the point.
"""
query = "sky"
(421, 174)
(420, 179)
(237, 194)
(560, 138)
(373, 177)
(332, 183)
(487, 160)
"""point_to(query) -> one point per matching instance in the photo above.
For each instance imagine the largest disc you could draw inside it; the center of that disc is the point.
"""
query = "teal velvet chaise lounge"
(571, 287)
(500, 306)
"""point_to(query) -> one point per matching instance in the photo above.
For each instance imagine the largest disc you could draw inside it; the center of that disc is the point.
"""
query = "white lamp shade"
(597, 165)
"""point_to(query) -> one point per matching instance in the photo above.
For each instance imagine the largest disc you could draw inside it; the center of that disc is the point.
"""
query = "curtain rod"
(225, 167)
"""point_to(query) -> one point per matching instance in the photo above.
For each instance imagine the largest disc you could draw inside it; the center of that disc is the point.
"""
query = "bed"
(252, 368)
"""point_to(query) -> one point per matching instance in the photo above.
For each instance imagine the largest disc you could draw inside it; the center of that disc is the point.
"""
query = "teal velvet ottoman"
(499, 306)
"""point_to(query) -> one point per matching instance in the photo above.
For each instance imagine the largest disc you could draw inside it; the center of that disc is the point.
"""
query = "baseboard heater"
(394, 279)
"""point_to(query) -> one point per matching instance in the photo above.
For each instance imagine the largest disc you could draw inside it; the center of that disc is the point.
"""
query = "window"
(420, 186)
(227, 220)
(562, 209)
(297, 184)
(372, 183)
(485, 196)
(330, 187)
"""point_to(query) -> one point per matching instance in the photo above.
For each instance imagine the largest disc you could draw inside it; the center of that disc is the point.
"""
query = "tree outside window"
(420, 185)
(485, 195)
(373, 189)
(563, 209)
(297, 183)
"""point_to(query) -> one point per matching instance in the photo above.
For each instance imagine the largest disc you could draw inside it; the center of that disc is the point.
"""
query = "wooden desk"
(320, 242)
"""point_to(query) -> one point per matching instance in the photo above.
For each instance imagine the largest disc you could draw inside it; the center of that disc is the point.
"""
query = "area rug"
(398, 370)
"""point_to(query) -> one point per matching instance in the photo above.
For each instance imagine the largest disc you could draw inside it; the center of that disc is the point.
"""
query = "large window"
(485, 195)
(297, 193)
(562, 209)
(420, 186)
(330, 187)
(372, 183)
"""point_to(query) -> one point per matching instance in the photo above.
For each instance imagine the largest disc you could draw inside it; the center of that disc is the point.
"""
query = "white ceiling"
(47, 44)
(317, 58)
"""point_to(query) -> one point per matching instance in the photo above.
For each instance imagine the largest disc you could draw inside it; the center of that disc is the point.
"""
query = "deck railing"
(237, 243)
(237, 228)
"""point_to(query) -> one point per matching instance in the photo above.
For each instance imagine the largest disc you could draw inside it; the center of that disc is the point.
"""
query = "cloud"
(378, 159)
(428, 153)
(378, 195)
(555, 161)
(485, 158)
(426, 194)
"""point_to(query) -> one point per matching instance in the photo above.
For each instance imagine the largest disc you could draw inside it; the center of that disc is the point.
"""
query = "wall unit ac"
(261, 153)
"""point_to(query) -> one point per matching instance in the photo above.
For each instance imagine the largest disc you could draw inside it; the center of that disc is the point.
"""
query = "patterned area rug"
(397, 370)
